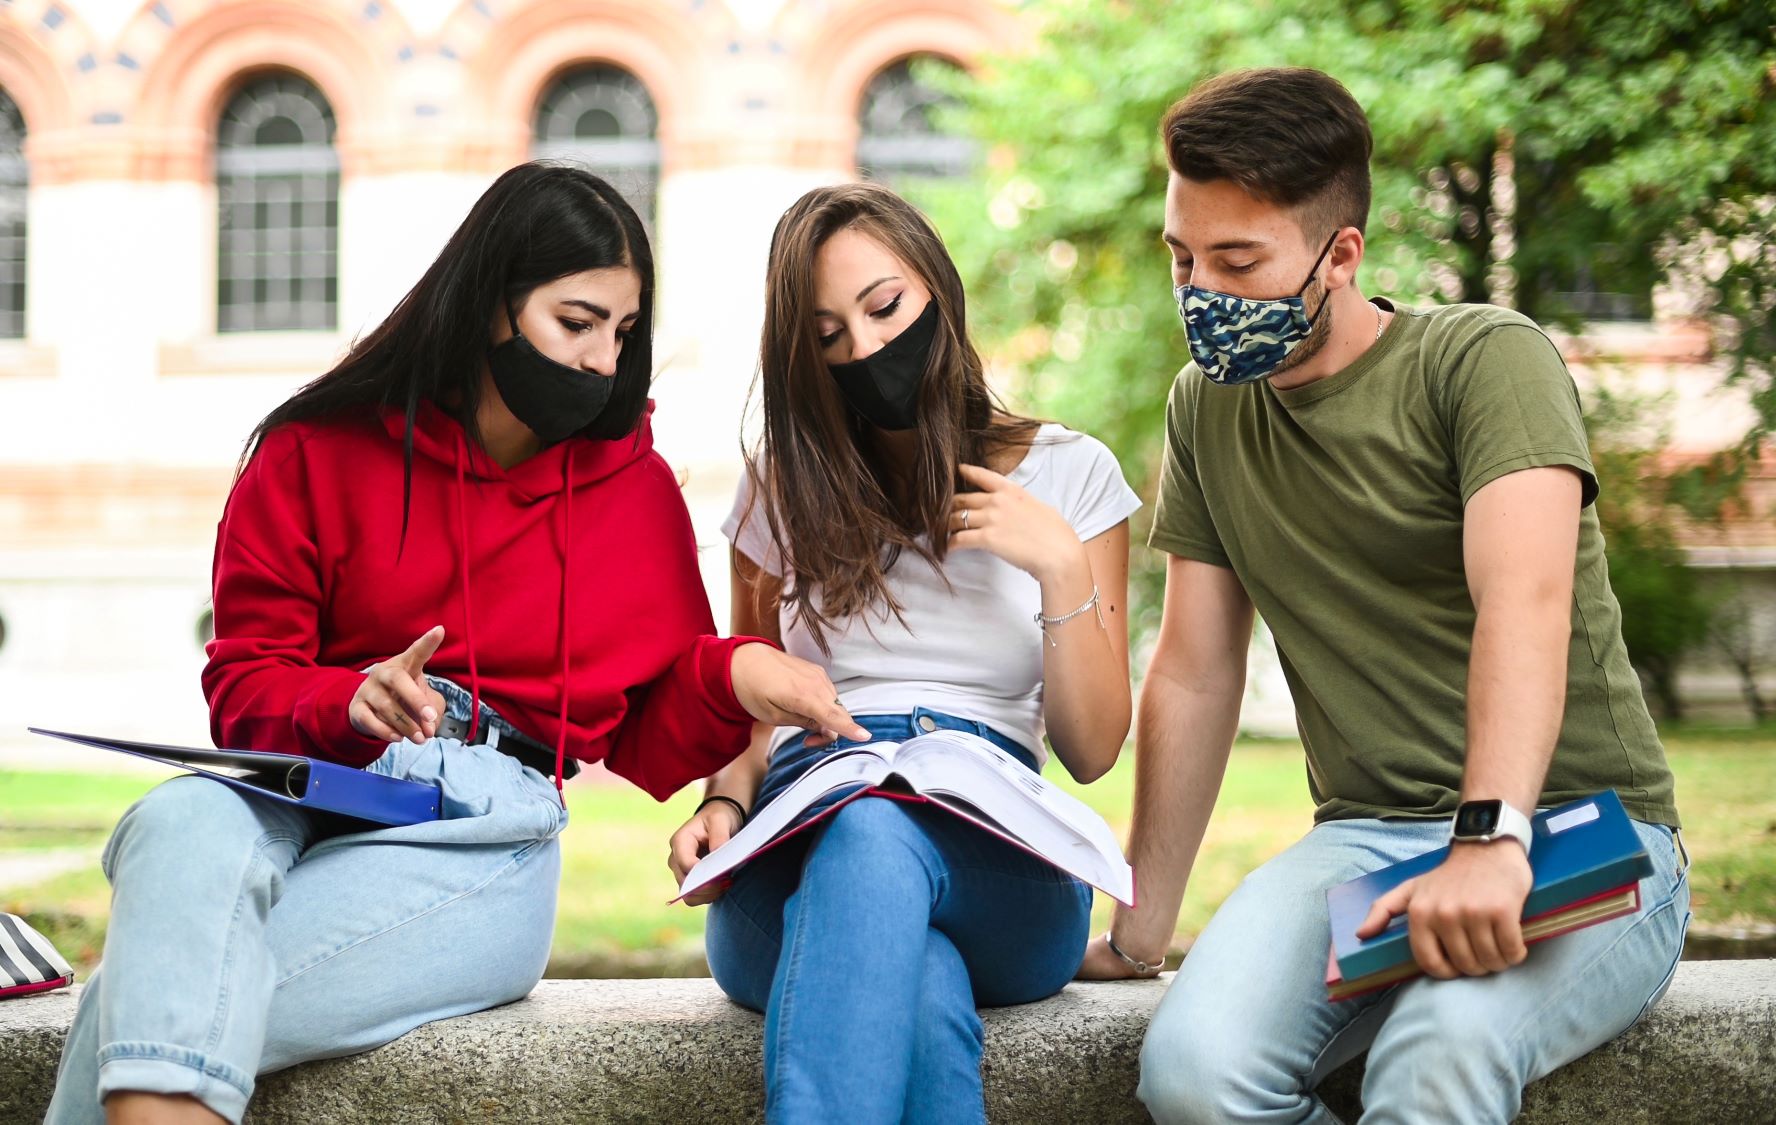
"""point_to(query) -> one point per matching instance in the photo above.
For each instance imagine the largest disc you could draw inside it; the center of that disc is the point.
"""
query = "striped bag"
(28, 963)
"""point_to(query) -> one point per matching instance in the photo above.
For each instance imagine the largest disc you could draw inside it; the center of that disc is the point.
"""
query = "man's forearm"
(1516, 697)
(1183, 734)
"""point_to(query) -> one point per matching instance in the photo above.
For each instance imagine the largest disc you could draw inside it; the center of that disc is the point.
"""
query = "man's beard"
(1317, 336)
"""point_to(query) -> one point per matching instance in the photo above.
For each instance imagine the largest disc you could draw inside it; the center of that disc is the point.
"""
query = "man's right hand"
(395, 701)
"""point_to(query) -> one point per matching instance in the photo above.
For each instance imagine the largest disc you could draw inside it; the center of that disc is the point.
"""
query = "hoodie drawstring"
(567, 499)
(468, 599)
(566, 630)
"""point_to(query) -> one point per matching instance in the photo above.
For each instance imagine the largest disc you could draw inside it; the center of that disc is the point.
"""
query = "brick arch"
(33, 78)
(843, 52)
(201, 62)
(526, 46)
(40, 70)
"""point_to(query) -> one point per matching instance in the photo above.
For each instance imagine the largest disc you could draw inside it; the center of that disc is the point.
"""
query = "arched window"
(14, 178)
(602, 117)
(277, 186)
(899, 138)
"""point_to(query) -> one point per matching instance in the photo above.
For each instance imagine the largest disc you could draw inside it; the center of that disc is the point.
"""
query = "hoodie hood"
(439, 437)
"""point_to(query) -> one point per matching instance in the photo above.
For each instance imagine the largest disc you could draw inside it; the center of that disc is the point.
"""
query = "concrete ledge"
(677, 1051)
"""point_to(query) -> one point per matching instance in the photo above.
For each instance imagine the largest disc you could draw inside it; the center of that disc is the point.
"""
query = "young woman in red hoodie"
(456, 559)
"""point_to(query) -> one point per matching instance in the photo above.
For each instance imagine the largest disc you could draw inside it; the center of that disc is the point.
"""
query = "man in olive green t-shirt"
(1405, 496)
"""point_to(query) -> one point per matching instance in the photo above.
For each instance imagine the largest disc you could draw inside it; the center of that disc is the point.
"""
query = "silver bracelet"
(1141, 967)
(1046, 622)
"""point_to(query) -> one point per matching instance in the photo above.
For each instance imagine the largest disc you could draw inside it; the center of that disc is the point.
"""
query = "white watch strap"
(1512, 823)
(1515, 824)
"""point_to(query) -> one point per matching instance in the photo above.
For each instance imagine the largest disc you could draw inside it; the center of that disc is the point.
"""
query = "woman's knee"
(871, 847)
(871, 833)
(187, 818)
(869, 821)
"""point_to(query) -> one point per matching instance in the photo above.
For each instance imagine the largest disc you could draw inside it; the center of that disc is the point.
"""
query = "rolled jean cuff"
(165, 1068)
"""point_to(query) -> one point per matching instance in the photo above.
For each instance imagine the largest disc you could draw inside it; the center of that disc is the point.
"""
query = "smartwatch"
(1481, 822)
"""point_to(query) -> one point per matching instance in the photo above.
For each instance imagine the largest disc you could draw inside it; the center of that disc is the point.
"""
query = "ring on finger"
(964, 519)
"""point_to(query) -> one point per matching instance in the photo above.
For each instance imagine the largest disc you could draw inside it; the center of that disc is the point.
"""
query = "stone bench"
(677, 1051)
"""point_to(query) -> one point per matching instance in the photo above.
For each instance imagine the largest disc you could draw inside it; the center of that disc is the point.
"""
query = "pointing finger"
(420, 651)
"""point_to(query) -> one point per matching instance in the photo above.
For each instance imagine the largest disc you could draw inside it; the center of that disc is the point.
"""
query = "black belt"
(521, 746)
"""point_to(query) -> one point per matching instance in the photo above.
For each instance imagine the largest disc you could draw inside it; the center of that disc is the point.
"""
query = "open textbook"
(959, 772)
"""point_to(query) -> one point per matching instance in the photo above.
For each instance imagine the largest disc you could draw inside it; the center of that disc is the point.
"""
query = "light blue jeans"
(248, 935)
(869, 947)
(1245, 1032)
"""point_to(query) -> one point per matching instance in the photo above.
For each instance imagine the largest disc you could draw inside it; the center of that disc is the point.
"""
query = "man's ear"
(1344, 258)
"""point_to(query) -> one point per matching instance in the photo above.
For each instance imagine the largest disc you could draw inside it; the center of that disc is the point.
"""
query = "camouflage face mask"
(1238, 340)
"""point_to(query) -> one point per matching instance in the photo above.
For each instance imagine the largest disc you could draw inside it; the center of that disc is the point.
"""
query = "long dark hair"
(834, 512)
(538, 222)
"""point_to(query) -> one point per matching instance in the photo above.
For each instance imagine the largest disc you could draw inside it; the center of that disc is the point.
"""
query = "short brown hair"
(1287, 135)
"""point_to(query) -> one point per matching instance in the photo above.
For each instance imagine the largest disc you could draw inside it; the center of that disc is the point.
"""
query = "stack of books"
(1587, 862)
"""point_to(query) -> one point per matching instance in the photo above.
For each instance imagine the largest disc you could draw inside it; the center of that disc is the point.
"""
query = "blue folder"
(309, 783)
(1582, 848)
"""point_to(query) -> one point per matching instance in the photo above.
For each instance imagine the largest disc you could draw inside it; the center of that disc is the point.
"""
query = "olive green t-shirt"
(1339, 506)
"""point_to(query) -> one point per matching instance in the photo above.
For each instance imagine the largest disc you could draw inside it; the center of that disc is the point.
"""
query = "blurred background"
(202, 202)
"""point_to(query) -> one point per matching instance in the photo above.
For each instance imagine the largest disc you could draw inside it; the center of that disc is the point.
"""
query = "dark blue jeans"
(869, 942)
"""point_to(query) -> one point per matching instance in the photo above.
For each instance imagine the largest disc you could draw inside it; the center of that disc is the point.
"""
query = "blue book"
(1582, 850)
(291, 778)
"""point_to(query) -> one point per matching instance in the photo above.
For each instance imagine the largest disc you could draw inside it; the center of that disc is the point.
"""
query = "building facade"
(202, 202)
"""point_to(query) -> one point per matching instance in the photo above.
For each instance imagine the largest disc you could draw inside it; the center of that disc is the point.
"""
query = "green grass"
(92, 802)
(615, 885)
(1726, 793)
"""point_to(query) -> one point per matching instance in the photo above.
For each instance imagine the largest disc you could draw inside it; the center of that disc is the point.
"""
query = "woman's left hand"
(1006, 520)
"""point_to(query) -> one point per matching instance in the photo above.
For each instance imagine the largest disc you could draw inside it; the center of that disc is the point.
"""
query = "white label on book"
(1572, 818)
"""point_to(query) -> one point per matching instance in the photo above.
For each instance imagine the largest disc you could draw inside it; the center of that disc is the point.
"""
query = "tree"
(1520, 145)
(1748, 643)
(1631, 138)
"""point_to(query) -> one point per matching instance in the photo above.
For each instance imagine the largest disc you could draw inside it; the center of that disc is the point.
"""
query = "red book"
(1563, 920)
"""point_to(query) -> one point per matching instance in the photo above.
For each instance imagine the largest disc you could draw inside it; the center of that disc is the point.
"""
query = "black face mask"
(884, 387)
(555, 400)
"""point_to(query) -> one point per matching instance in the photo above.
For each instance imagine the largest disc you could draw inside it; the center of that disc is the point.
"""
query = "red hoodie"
(567, 587)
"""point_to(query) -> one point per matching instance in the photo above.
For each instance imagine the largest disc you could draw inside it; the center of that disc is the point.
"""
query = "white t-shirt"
(970, 648)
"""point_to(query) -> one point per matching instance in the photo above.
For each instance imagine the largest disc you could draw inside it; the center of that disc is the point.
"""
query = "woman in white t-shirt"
(901, 529)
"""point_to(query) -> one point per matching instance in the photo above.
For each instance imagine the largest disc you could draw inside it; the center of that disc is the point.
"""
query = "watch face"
(1478, 818)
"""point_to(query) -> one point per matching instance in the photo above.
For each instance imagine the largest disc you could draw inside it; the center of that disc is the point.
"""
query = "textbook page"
(965, 775)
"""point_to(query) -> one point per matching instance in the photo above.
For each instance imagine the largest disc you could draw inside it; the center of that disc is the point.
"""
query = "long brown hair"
(536, 223)
(838, 513)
